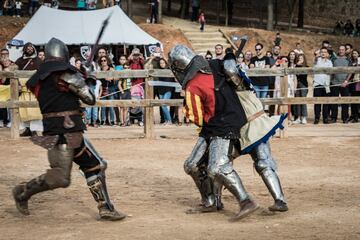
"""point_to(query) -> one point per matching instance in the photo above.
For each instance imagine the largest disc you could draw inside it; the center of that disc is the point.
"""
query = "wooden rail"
(14, 104)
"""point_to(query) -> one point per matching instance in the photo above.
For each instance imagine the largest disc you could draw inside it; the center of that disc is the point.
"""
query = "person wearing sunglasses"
(208, 55)
(261, 84)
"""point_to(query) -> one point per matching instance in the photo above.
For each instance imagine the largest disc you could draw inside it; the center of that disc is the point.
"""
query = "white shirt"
(322, 79)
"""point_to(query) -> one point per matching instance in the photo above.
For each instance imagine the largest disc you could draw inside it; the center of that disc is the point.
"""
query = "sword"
(95, 46)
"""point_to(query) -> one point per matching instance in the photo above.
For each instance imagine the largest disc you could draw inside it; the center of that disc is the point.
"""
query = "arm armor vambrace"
(78, 86)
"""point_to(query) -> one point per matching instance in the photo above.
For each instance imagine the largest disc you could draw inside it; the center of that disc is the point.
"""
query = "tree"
(291, 6)
(184, 8)
(300, 23)
(160, 11)
(270, 20)
(218, 12)
(168, 9)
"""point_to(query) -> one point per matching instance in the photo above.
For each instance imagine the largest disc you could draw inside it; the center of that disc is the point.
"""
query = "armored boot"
(233, 183)
(98, 189)
(272, 183)
(208, 201)
(24, 191)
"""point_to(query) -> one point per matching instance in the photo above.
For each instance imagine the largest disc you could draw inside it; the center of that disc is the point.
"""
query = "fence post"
(284, 108)
(15, 117)
(149, 112)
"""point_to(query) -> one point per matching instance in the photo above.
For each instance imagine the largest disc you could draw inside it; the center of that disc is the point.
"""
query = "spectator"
(301, 91)
(95, 85)
(298, 50)
(247, 58)
(341, 80)
(275, 55)
(241, 62)
(81, 4)
(277, 40)
(136, 61)
(316, 55)
(108, 3)
(339, 28)
(31, 117)
(55, 4)
(41, 55)
(269, 54)
(355, 87)
(29, 59)
(101, 52)
(6, 65)
(202, 21)
(4, 53)
(331, 53)
(357, 28)
(280, 62)
(208, 55)
(91, 4)
(154, 6)
(9, 7)
(219, 51)
(348, 50)
(165, 92)
(124, 86)
(78, 64)
(108, 90)
(34, 4)
(322, 86)
(261, 84)
(348, 28)
(292, 83)
(18, 5)
(195, 5)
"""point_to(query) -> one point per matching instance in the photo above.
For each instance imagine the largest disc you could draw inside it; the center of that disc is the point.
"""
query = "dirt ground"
(319, 173)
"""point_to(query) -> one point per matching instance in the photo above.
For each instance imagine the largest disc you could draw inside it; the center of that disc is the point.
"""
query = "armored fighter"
(255, 134)
(212, 104)
(59, 87)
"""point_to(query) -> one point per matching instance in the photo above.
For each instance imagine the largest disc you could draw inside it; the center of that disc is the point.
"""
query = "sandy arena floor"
(319, 168)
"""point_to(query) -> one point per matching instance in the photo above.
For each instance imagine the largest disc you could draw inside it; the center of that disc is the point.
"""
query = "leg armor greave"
(221, 169)
(60, 159)
(196, 167)
(97, 182)
(265, 165)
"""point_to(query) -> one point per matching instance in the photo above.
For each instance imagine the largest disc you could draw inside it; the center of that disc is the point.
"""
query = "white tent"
(82, 27)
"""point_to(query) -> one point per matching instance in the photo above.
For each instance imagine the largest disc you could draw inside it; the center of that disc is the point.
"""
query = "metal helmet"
(180, 58)
(55, 48)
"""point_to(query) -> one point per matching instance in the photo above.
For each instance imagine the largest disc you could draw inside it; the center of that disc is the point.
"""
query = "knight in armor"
(59, 87)
(255, 134)
(212, 104)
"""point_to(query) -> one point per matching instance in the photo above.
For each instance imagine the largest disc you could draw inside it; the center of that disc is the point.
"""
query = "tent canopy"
(82, 28)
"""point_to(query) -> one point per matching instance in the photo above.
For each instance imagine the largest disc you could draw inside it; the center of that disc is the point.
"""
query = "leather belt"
(256, 115)
(62, 114)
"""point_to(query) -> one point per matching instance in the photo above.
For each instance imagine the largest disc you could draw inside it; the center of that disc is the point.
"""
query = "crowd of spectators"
(109, 88)
(265, 87)
(298, 85)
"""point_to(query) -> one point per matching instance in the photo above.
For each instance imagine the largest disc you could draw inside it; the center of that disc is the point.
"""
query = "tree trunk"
(168, 9)
(160, 11)
(187, 5)
(130, 8)
(276, 13)
(226, 13)
(300, 23)
(218, 12)
(182, 9)
(270, 20)
(291, 5)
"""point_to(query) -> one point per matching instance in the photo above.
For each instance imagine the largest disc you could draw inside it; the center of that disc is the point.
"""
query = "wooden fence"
(148, 103)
